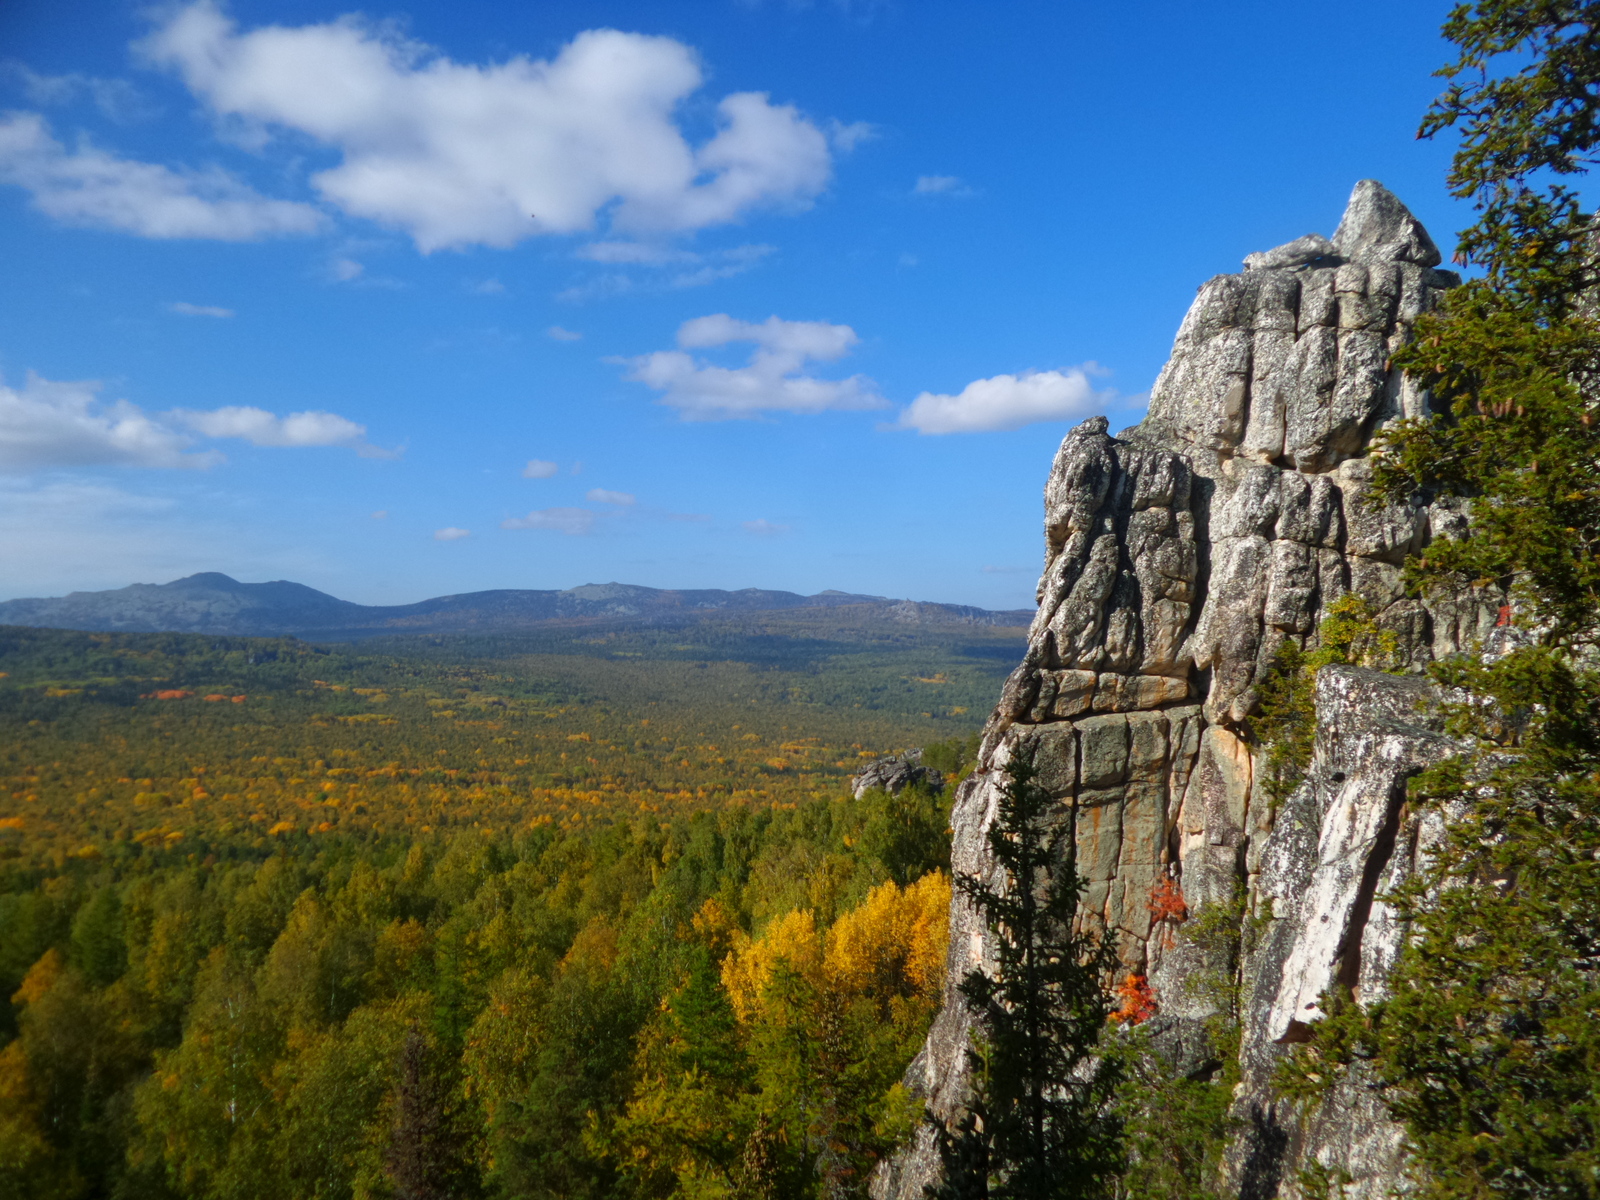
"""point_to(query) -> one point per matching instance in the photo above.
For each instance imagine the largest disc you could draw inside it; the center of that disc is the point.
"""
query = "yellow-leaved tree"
(777, 1058)
(832, 1018)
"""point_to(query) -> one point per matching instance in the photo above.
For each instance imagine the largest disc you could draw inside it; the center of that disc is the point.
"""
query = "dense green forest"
(584, 914)
(114, 741)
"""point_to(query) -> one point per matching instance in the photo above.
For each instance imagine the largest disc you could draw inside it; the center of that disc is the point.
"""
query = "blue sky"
(425, 298)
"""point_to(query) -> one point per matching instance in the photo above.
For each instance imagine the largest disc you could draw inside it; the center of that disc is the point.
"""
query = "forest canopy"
(588, 914)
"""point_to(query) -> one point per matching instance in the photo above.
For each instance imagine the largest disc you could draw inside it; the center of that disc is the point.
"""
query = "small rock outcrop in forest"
(1179, 556)
(894, 772)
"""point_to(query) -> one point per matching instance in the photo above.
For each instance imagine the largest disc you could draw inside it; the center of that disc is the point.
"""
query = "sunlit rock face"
(1179, 556)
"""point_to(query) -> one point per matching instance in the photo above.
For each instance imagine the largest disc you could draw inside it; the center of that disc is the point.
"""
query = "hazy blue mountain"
(215, 603)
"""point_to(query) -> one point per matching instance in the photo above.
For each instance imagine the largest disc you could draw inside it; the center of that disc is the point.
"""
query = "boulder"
(893, 772)
(1302, 250)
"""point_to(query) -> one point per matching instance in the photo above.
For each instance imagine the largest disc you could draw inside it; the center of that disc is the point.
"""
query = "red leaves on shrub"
(1138, 1001)
(1167, 902)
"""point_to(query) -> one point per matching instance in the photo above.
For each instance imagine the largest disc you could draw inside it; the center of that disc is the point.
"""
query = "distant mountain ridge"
(211, 602)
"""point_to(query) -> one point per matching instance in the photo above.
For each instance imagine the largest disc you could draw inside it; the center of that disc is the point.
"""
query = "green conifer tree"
(1039, 1123)
(426, 1159)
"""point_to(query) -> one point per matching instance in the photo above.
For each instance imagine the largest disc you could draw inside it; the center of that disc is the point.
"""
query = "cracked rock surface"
(1179, 556)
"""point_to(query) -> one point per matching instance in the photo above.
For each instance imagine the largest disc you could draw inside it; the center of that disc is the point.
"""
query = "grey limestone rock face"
(1377, 226)
(893, 772)
(1342, 841)
(1288, 363)
(1179, 557)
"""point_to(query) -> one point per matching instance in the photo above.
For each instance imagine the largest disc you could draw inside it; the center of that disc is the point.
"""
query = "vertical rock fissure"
(1264, 1168)
(1347, 976)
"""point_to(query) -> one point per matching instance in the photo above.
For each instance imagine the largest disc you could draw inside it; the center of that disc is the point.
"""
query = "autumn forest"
(580, 913)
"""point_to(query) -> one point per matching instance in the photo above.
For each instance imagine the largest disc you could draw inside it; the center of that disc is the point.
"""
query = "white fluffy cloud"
(450, 534)
(774, 379)
(602, 496)
(573, 521)
(539, 468)
(49, 424)
(261, 428)
(46, 424)
(184, 309)
(458, 154)
(88, 186)
(1008, 402)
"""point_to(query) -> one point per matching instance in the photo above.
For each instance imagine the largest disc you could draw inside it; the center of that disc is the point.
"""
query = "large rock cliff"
(1179, 556)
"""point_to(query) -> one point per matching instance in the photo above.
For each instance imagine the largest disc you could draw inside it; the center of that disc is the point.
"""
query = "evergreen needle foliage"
(1522, 95)
(427, 1152)
(1287, 725)
(1039, 1123)
(1488, 1048)
(618, 1013)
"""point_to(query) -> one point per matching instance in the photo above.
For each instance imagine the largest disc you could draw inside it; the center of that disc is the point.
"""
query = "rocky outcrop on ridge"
(1179, 556)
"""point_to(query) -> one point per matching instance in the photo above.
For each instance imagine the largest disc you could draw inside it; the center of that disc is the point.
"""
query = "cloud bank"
(1009, 402)
(774, 380)
(260, 428)
(91, 187)
(48, 424)
(457, 154)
